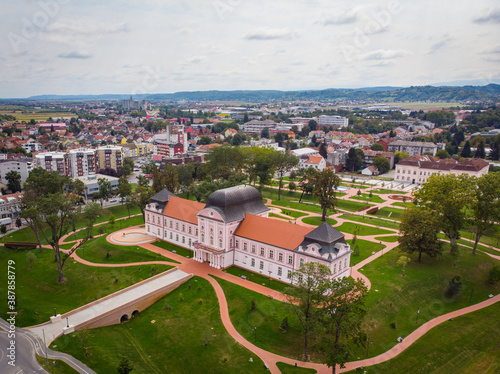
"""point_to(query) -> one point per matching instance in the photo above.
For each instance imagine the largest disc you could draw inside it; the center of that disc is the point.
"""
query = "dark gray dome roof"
(233, 202)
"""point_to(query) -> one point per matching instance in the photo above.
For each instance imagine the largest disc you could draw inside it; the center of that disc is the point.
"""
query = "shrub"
(393, 325)
(454, 287)
(284, 324)
(494, 274)
(181, 297)
(254, 304)
(200, 301)
(167, 306)
(225, 359)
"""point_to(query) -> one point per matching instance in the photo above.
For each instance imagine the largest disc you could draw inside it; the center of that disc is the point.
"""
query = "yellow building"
(123, 141)
(109, 157)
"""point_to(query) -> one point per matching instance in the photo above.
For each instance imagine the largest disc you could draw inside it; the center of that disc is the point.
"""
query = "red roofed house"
(233, 228)
(416, 169)
(316, 161)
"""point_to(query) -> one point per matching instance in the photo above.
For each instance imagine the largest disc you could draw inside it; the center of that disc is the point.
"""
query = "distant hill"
(490, 92)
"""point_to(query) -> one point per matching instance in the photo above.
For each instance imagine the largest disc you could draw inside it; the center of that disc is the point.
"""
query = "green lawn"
(280, 217)
(267, 318)
(257, 278)
(351, 206)
(37, 290)
(394, 299)
(189, 338)
(372, 221)
(366, 197)
(292, 213)
(120, 224)
(388, 239)
(60, 368)
(391, 213)
(317, 221)
(272, 193)
(467, 344)
(174, 248)
(289, 369)
(385, 191)
(365, 249)
(99, 250)
(401, 204)
(307, 207)
(361, 230)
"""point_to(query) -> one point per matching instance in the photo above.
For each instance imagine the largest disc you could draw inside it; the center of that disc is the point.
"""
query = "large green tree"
(354, 159)
(13, 181)
(485, 205)
(447, 196)
(124, 188)
(306, 297)
(325, 184)
(343, 313)
(418, 232)
(382, 164)
(105, 190)
(284, 162)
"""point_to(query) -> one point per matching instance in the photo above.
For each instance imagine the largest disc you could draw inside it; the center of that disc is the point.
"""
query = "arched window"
(301, 262)
(220, 243)
(211, 240)
(203, 238)
(231, 243)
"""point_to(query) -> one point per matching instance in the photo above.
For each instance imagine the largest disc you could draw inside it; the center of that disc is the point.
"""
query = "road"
(25, 361)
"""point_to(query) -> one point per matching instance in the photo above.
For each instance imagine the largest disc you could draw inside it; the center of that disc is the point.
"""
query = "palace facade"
(233, 228)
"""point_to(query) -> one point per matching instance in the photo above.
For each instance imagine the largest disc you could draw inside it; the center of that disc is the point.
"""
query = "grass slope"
(316, 221)
(361, 230)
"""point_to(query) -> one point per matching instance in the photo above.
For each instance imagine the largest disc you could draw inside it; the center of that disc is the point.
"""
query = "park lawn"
(37, 115)
(391, 213)
(189, 338)
(388, 239)
(366, 197)
(280, 217)
(351, 206)
(307, 207)
(37, 290)
(384, 191)
(272, 193)
(60, 368)
(106, 228)
(372, 221)
(467, 344)
(316, 221)
(366, 248)
(396, 299)
(290, 369)
(401, 204)
(267, 318)
(100, 251)
(257, 278)
(292, 213)
(361, 230)
(66, 246)
(489, 238)
(354, 185)
(469, 245)
(174, 248)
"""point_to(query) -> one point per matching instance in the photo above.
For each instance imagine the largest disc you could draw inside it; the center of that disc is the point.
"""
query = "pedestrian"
(54, 363)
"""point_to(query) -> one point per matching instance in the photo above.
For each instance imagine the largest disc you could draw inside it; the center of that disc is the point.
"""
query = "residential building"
(333, 121)
(53, 161)
(109, 157)
(258, 126)
(337, 157)
(417, 169)
(315, 161)
(370, 155)
(10, 208)
(233, 228)
(131, 104)
(92, 185)
(412, 148)
(23, 165)
(82, 162)
(370, 170)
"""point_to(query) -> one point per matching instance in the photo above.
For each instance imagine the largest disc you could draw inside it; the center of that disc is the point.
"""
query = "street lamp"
(254, 333)
(270, 278)
(418, 312)
(368, 346)
(54, 311)
(67, 322)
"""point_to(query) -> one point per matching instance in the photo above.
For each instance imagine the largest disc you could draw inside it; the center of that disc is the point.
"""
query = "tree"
(284, 162)
(403, 261)
(13, 181)
(310, 283)
(141, 197)
(112, 220)
(313, 125)
(454, 287)
(446, 196)
(325, 184)
(323, 150)
(354, 160)
(343, 313)
(124, 188)
(305, 183)
(485, 205)
(418, 232)
(29, 211)
(292, 186)
(466, 151)
(90, 214)
(480, 152)
(398, 156)
(264, 133)
(442, 154)
(18, 222)
(142, 181)
(171, 178)
(125, 366)
(128, 167)
(104, 190)
(224, 161)
(377, 147)
(31, 258)
(382, 164)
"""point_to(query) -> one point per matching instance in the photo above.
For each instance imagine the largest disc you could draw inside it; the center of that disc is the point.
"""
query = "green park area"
(390, 213)
(365, 249)
(257, 278)
(173, 248)
(83, 285)
(369, 219)
(181, 333)
(388, 239)
(366, 197)
(289, 369)
(37, 115)
(60, 368)
(361, 230)
(385, 191)
(316, 221)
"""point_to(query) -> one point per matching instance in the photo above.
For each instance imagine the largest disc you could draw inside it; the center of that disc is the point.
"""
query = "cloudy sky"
(153, 46)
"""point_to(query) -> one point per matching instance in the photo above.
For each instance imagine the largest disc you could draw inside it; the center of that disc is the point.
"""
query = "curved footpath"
(270, 359)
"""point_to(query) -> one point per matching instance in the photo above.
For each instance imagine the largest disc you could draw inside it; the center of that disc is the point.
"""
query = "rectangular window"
(340, 265)
(289, 274)
(345, 262)
(176, 237)
(271, 253)
(165, 222)
(237, 243)
(280, 271)
(280, 257)
(171, 235)
(253, 262)
(170, 224)
(253, 248)
(334, 268)
(177, 225)
(301, 262)
(290, 260)
(190, 242)
(183, 228)
(189, 230)
(147, 217)
(245, 245)
(262, 251)
(261, 266)
(183, 239)
(196, 232)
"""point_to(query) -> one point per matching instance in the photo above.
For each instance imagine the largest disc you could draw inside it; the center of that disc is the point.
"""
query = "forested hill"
(490, 92)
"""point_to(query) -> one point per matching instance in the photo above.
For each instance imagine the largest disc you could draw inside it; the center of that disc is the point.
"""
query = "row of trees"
(450, 203)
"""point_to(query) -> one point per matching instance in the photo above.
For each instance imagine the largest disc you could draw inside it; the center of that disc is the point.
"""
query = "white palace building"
(233, 228)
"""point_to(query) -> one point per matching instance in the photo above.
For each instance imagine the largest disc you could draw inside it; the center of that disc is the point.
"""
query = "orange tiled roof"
(183, 209)
(277, 233)
(314, 159)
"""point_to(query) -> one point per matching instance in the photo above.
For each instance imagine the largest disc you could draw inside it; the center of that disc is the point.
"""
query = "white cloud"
(74, 54)
(384, 54)
(491, 16)
(267, 33)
